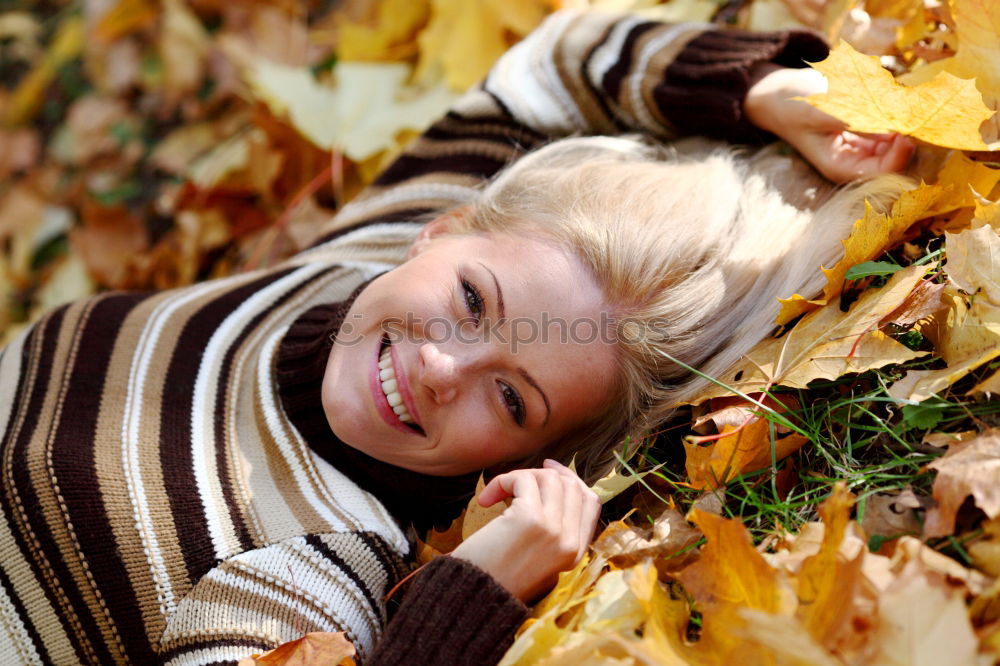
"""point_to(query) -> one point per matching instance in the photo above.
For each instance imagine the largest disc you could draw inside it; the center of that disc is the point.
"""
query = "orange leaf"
(318, 648)
(827, 580)
(745, 446)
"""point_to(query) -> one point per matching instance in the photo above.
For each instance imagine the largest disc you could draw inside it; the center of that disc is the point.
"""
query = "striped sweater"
(159, 504)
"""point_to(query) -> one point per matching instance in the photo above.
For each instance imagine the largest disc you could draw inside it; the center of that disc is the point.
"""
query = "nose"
(438, 373)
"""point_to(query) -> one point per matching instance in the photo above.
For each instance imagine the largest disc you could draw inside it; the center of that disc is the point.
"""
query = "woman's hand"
(545, 530)
(823, 140)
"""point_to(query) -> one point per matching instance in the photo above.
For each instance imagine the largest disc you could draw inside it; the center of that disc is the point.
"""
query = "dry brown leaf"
(19, 149)
(988, 387)
(184, 45)
(894, 514)
(827, 343)
(313, 649)
(123, 17)
(108, 241)
(968, 469)
(944, 111)
(626, 545)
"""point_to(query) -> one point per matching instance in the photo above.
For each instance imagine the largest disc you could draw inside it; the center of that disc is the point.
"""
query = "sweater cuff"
(456, 614)
(702, 91)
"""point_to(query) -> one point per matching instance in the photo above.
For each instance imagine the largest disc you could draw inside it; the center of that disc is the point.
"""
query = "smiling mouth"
(391, 390)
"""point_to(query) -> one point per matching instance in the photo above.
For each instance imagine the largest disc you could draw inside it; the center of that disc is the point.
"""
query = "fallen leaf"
(107, 241)
(743, 447)
(967, 469)
(476, 515)
(985, 549)
(615, 483)
(944, 111)
(317, 647)
(386, 31)
(872, 235)
(122, 18)
(361, 115)
(19, 149)
(826, 343)
(923, 622)
(893, 514)
(974, 261)
(462, 40)
(625, 545)
(826, 581)
(183, 46)
(988, 387)
(977, 24)
(66, 44)
(964, 336)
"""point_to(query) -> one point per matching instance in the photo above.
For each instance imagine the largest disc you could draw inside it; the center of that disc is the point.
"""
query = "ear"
(442, 224)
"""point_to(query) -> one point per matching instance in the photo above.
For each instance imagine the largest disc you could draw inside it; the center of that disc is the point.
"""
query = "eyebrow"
(496, 283)
(528, 378)
(524, 373)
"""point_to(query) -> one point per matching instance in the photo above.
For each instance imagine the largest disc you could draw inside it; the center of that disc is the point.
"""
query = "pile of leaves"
(833, 499)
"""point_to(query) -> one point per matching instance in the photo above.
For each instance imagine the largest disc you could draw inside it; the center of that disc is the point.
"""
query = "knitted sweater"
(166, 495)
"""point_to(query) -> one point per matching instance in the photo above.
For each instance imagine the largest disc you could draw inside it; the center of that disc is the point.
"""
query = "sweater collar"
(411, 497)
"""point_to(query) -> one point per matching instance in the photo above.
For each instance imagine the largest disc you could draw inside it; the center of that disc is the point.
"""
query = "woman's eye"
(513, 402)
(473, 301)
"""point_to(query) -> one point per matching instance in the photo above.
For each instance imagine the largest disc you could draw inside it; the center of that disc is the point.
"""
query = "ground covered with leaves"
(834, 499)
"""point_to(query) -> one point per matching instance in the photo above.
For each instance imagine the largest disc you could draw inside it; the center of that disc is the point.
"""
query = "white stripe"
(212, 655)
(15, 643)
(10, 371)
(221, 529)
(145, 349)
(609, 52)
(527, 81)
(643, 115)
(398, 194)
(320, 483)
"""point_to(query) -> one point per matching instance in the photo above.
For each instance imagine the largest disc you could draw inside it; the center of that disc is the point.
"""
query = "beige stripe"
(111, 476)
(57, 511)
(658, 63)
(10, 370)
(581, 34)
(37, 605)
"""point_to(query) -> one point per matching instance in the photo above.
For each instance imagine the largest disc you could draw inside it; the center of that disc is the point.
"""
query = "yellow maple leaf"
(463, 39)
(977, 24)
(974, 261)
(944, 111)
(389, 36)
(957, 184)
(826, 343)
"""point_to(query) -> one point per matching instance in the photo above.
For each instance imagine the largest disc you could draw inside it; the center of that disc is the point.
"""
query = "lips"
(391, 391)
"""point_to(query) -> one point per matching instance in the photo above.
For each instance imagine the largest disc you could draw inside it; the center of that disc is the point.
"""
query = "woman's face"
(491, 347)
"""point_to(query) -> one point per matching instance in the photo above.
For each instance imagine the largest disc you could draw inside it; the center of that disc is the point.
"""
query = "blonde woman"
(192, 476)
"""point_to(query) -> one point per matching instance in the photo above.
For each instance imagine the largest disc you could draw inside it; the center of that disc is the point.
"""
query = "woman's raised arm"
(579, 72)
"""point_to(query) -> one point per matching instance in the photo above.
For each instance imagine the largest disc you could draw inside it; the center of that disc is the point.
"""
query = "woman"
(193, 476)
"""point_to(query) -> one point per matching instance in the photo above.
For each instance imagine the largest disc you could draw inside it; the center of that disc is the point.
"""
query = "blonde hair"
(695, 244)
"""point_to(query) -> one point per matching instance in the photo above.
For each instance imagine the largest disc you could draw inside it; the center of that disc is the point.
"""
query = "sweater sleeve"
(454, 614)
(579, 72)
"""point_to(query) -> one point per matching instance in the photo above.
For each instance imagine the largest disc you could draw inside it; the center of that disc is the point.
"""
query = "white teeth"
(390, 387)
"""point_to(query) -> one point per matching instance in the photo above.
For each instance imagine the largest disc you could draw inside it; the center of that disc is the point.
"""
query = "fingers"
(519, 483)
